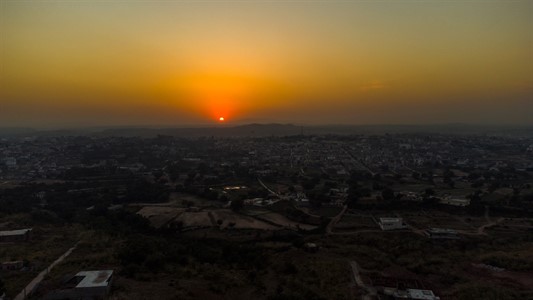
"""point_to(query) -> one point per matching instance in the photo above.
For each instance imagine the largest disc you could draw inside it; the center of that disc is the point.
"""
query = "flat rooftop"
(94, 278)
(390, 220)
(442, 230)
(15, 232)
(421, 294)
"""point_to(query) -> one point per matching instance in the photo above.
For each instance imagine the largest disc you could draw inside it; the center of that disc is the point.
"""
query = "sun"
(221, 119)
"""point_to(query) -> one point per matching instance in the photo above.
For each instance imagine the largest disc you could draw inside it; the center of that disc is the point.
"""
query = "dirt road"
(35, 282)
(335, 220)
(370, 291)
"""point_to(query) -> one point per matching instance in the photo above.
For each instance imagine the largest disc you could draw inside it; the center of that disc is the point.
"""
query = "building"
(442, 233)
(12, 236)
(12, 265)
(414, 294)
(421, 294)
(401, 288)
(86, 285)
(311, 247)
(10, 162)
(391, 223)
(455, 201)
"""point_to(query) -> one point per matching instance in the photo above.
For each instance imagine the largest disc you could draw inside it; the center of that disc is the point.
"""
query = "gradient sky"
(100, 63)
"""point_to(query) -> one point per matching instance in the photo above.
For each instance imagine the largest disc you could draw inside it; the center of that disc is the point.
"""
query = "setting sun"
(221, 119)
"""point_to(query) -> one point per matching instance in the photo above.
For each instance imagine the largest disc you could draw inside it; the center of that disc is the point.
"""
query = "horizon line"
(234, 125)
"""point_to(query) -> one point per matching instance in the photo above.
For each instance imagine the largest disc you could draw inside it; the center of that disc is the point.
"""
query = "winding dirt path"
(370, 291)
(335, 220)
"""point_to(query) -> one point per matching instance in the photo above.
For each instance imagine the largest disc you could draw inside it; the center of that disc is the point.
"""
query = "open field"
(47, 244)
(239, 221)
(354, 222)
(284, 221)
(182, 199)
(160, 215)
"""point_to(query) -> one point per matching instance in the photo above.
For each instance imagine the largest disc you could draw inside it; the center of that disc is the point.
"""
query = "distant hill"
(249, 130)
(274, 129)
(16, 131)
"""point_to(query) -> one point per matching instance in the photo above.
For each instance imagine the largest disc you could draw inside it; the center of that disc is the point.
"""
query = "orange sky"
(79, 63)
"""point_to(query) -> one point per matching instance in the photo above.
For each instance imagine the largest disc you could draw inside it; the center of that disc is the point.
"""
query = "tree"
(173, 171)
(134, 251)
(237, 205)
(387, 194)
(429, 192)
(353, 194)
(430, 200)
(475, 207)
(316, 198)
(448, 175)
(2, 287)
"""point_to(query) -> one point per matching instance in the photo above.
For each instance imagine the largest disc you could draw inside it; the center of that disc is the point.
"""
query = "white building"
(455, 201)
(12, 236)
(391, 223)
(416, 294)
(442, 233)
(86, 285)
(410, 294)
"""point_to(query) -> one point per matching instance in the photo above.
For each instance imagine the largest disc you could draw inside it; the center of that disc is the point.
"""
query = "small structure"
(12, 265)
(416, 294)
(10, 162)
(12, 236)
(311, 247)
(407, 294)
(86, 285)
(442, 233)
(455, 201)
(391, 223)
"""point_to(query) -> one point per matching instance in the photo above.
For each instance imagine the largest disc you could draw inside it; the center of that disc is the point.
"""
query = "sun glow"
(221, 119)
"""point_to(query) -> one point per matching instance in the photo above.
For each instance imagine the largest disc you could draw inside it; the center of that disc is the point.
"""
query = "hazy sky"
(77, 63)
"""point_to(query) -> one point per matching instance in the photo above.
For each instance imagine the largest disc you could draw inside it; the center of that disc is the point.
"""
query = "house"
(391, 223)
(10, 162)
(311, 247)
(442, 233)
(401, 288)
(414, 294)
(12, 236)
(85, 285)
(455, 201)
(12, 265)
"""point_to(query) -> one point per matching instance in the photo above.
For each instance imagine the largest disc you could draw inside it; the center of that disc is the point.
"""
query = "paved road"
(35, 282)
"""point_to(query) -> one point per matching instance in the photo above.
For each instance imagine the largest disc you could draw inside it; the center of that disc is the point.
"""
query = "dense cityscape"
(314, 216)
